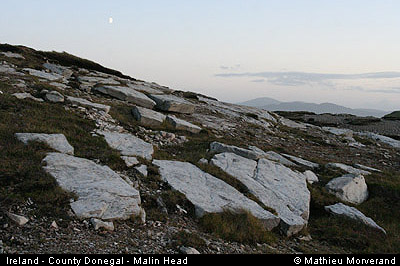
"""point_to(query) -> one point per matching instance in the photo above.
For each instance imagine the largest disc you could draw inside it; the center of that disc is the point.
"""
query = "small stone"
(130, 161)
(97, 224)
(189, 250)
(203, 161)
(54, 225)
(18, 219)
(142, 169)
(305, 238)
(310, 177)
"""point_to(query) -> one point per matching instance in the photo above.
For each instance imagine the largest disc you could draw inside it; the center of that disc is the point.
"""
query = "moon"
(110, 20)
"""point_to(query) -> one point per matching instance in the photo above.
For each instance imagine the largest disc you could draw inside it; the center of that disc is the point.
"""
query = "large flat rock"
(301, 161)
(57, 142)
(88, 104)
(180, 124)
(172, 103)
(43, 74)
(350, 188)
(275, 185)
(343, 210)
(127, 94)
(276, 157)
(349, 169)
(26, 95)
(128, 144)
(208, 193)
(246, 153)
(148, 117)
(101, 192)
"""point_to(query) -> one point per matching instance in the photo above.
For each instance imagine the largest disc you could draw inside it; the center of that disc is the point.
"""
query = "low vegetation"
(22, 176)
(392, 116)
(240, 227)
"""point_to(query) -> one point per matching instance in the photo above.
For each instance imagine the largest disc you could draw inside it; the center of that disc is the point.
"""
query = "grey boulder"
(209, 194)
(101, 192)
(148, 117)
(350, 188)
(172, 103)
(127, 94)
(53, 96)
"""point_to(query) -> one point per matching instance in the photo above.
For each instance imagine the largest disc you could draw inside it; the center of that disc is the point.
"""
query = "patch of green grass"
(392, 116)
(239, 227)
(21, 175)
(382, 206)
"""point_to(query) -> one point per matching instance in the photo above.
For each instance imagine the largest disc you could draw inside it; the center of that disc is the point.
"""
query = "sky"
(344, 52)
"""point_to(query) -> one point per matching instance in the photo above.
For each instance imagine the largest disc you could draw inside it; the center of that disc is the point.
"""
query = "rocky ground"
(93, 161)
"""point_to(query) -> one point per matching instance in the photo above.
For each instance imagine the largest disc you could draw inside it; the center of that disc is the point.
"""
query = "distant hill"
(258, 102)
(275, 105)
(393, 116)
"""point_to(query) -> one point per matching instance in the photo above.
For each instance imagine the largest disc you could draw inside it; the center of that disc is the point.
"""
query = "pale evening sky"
(345, 52)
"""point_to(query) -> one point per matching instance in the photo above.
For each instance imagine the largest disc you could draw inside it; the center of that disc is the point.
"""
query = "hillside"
(393, 116)
(274, 105)
(95, 161)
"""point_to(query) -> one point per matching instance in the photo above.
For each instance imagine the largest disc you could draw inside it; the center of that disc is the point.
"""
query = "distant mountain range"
(275, 105)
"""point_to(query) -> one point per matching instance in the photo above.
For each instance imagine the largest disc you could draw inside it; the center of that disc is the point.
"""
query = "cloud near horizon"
(304, 78)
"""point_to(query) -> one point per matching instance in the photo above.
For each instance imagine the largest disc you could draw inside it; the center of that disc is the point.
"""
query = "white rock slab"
(392, 142)
(350, 188)
(128, 144)
(57, 142)
(26, 95)
(93, 80)
(60, 70)
(276, 157)
(349, 169)
(145, 88)
(249, 154)
(101, 192)
(43, 75)
(12, 55)
(88, 104)
(148, 117)
(180, 124)
(127, 94)
(301, 161)
(275, 185)
(343, 210)
(367, 168)
(172, 103)
(209, 194)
